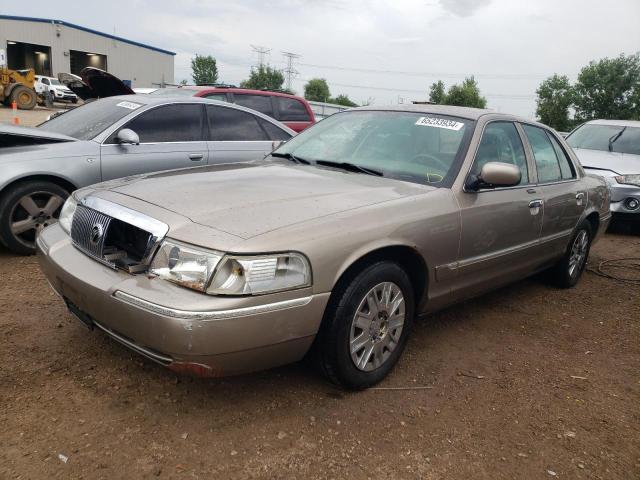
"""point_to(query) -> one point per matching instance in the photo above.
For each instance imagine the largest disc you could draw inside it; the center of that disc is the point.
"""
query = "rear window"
(261, 103)
(292, 110)
(229, 124)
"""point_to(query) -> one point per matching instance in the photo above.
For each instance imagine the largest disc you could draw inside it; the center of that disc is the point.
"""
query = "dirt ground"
(526, 382)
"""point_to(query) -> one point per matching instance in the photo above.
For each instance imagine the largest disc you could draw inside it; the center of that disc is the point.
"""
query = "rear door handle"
(196, 156)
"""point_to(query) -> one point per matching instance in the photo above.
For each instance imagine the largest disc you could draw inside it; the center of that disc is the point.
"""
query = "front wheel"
(366, 326)
(27, 208)
(569, 269)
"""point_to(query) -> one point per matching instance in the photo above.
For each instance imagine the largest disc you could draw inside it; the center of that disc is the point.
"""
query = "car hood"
(94, 83)
(16, 136)
(619, 163)
(247, 199)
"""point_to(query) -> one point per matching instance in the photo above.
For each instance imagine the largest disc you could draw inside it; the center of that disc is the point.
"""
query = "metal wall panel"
(143, 66)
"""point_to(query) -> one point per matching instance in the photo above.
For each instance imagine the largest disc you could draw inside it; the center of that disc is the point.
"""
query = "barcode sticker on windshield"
(440, 123)
(129, 105)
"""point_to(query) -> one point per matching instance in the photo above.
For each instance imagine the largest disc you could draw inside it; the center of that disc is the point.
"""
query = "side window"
(501, 143)
(181, 122)
(45, 81)
(261, 103)
(292, 110)
(221, 97)
(229, 124)
(544, 154)
(566, 169)
(273, 131)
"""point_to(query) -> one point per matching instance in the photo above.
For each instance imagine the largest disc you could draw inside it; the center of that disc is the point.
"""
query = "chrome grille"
(89, 231)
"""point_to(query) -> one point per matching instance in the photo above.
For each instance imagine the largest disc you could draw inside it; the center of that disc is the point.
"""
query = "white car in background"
(611, 149)
(59, 92)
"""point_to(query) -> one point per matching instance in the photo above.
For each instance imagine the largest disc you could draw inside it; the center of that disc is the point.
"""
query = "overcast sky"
(388, 52)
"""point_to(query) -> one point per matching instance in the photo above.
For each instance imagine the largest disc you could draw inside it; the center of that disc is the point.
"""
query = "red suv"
(294, 112)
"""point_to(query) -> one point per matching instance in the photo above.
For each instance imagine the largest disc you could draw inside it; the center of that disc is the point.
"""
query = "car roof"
(618, 123)
(223, 89)
(463, 112)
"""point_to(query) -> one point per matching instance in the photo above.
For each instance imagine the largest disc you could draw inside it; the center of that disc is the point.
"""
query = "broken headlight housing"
(219, 274)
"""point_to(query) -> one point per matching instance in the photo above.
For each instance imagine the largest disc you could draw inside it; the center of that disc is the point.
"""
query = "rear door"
(500, 226)
(564, 200)
(171, 136)
(239, 136)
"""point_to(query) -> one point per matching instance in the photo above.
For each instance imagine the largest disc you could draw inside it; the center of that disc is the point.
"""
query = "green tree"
(264, 78)
(609, 88)
(317, 90)
(437, 94)
(204, 69)
(555, 96)
(466, 95)
(343, 100)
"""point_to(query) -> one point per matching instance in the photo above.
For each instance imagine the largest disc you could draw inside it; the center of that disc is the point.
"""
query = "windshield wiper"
(350, 167)
(292, 157)
(614, 138)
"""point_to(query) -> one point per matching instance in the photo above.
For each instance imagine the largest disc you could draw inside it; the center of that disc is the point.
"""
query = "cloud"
(463, 8)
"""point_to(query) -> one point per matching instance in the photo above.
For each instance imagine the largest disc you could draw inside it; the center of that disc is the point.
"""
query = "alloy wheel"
(578, 254)
(377, 326)
(32, 213)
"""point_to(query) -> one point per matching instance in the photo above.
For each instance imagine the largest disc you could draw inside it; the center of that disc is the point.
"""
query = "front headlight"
(188, 266)
(66, 214)
(629, 179)
(250, 275)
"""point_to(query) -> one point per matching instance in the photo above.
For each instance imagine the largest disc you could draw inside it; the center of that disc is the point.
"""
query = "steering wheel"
(431, 159)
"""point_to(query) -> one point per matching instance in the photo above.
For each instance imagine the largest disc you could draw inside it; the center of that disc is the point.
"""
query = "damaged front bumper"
(184, 330)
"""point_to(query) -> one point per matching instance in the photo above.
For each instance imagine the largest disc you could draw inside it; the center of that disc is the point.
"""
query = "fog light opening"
(632, 203)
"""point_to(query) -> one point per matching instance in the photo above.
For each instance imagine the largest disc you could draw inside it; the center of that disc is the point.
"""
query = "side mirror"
(495, 174)
(126, 135)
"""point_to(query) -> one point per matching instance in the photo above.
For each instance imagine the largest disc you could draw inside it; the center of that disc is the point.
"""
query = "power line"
(504, 76)
(289, 70)
(424, 91)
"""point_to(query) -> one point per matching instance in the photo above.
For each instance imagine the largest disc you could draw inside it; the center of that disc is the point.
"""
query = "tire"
(36, 204)
(24, 97)
(568, 270)
(340, 329)
(74, 101)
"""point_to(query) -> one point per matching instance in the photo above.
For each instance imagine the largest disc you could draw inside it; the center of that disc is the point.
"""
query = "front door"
(564, 202)
(171, 136)
(501, 226)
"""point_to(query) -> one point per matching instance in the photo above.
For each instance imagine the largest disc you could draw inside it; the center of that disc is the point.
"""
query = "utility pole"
(262, 53)
(289, 70)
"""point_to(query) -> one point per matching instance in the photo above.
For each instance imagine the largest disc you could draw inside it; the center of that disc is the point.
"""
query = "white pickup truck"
(59, 92)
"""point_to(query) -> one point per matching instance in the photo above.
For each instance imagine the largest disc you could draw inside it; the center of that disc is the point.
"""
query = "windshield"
(91, 119)
(55, 81)
(182, 92)
(596, 137)
(416, 147)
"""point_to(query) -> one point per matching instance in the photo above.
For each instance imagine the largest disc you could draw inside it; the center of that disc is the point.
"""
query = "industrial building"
(53, 46)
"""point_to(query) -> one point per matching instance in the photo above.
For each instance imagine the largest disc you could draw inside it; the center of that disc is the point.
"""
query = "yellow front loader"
(18, 86)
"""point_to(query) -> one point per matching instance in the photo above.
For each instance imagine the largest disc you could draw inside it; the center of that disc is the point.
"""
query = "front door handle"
(579, 197)
(196, 156)
(535, 203)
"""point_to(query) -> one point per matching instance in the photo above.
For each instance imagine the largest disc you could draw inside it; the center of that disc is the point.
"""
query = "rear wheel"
(568, 270)
(25, 210)
(24, 97)
(366, 326)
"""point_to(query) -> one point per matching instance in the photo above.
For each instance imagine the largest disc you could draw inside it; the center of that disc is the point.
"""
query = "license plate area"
(85, 318)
